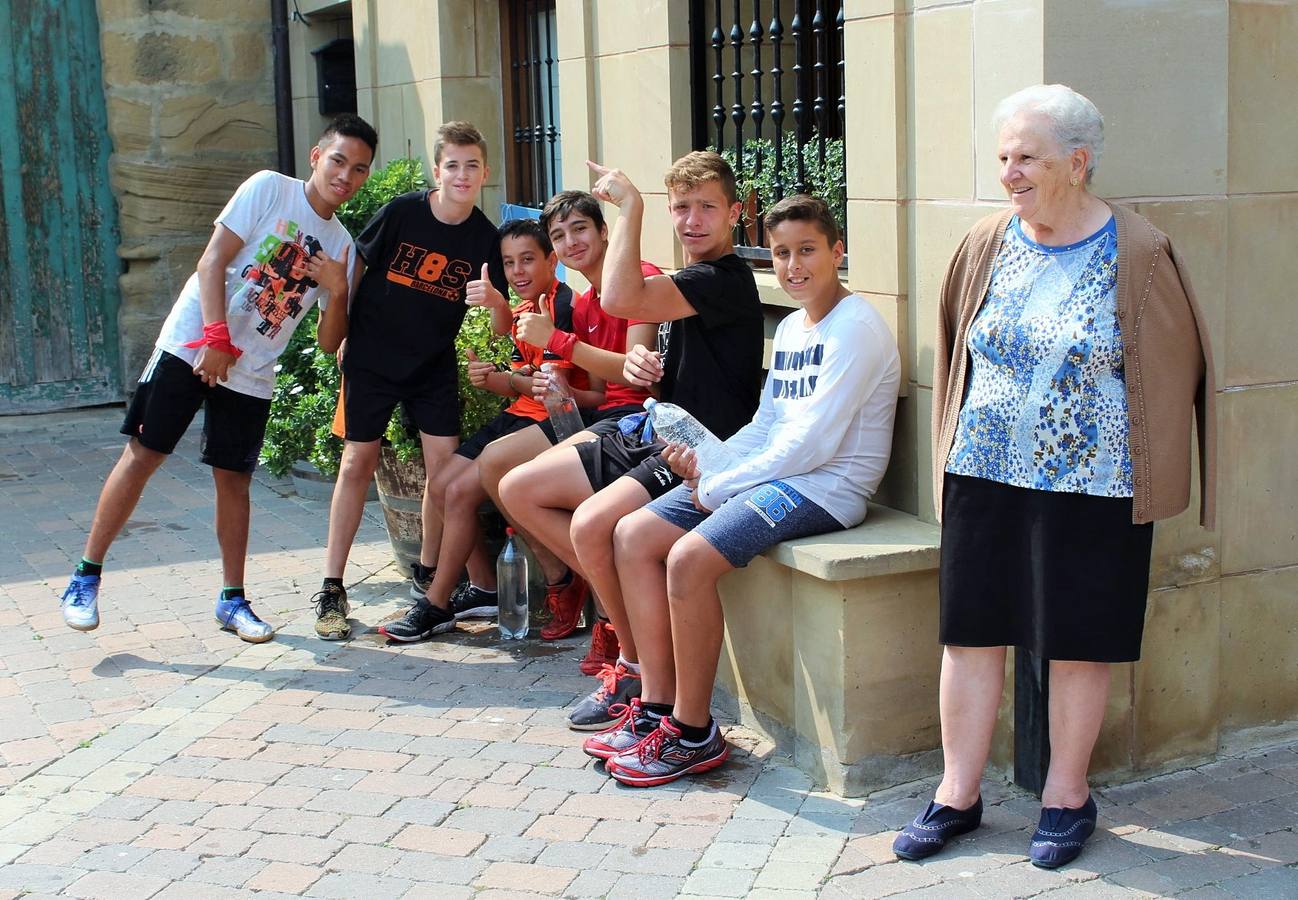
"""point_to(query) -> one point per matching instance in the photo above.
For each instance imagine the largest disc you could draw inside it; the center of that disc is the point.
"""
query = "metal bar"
(737, 107)
(758, 109)
(516, 30)
(1031, 720)
(777, 103)
(551, 133)
(285, 157)
(799, 106)
(842, 73)
(538, 128)
(718, 78)
(821, 73)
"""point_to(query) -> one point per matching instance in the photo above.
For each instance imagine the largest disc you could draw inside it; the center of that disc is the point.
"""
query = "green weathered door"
(58, 222)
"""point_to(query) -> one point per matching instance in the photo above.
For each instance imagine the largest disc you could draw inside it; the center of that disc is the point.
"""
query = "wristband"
(217, 336)
(561, 343)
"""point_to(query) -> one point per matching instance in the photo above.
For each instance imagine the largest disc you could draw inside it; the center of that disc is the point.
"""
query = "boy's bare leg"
(120, 495)
(541, 495)
(461, 491)
(641, 544)
(498, 459)
(697, 624)
(233, 517)
(355, 472)
(436, 450)
(592, 539)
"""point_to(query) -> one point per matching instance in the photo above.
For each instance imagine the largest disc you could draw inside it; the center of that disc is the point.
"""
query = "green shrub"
(756, 174)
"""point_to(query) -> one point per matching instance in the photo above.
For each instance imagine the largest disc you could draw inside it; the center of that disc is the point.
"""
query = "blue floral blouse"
(1046, 405)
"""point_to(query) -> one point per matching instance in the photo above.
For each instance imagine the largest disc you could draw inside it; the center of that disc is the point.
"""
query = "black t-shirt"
(410, 303)
(712, 361)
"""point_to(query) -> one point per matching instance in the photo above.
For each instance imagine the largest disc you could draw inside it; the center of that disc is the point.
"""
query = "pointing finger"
(597, 168)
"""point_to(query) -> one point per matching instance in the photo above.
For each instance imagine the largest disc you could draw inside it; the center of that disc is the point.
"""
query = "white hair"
(1074, 121)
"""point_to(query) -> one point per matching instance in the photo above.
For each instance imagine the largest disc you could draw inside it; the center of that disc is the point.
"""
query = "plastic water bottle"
(559, 402)
(676, 426)
(511, 588)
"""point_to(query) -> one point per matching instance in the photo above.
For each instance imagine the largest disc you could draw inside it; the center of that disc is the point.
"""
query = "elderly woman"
(1070, 355)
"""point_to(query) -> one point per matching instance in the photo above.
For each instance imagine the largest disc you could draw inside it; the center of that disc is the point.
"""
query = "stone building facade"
(1199, 102)
(191, 114)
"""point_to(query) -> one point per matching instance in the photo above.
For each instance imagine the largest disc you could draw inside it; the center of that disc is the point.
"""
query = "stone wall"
(191, 114)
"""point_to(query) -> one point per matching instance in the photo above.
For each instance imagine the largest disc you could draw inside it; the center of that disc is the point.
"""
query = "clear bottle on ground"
(511, 587)
(676, 426)
(559, 402)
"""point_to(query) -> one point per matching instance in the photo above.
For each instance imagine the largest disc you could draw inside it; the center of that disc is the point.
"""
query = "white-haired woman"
(1070, 359)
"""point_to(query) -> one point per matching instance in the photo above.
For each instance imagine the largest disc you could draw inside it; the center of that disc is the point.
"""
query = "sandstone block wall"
(191, 113)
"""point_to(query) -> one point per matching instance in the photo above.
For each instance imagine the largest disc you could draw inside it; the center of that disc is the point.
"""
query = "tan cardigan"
(1168, 363)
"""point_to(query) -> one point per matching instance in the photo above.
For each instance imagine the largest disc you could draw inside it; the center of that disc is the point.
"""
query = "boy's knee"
(591, 532)
(464, 491)
(693, 561)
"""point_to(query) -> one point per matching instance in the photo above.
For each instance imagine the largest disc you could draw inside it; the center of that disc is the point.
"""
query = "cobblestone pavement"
(159, 757)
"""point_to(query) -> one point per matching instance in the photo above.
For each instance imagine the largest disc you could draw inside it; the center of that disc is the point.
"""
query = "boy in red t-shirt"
(529, 262)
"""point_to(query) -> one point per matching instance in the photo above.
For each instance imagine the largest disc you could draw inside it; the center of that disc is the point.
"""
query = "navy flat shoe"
(1061, 834)
(934, 827)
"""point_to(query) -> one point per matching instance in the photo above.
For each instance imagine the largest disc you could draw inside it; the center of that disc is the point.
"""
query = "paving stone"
(170, 864)
(438, 869)
(113, 858)
(32, 878)
(227, 870)
(1183, 873)
(716, 882)
(651, 861)
(294, 848)
(349, 885)
(116, 886)
(646, 887)
(1272, 884)
(490, 821)
(420, 812)
(364, 858)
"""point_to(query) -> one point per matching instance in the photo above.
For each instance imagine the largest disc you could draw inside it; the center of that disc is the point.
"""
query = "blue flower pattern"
(1046, 405)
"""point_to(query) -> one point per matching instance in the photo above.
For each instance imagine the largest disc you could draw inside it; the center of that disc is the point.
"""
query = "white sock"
(484, 590)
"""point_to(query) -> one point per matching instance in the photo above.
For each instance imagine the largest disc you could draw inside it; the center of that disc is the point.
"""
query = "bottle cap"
(650, 402)
(509, 532)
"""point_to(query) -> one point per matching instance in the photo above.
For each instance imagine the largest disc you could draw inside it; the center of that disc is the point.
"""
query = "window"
(531, 101)
(769, 96)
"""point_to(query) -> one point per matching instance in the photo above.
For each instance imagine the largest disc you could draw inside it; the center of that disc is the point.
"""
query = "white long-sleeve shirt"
(824, 425)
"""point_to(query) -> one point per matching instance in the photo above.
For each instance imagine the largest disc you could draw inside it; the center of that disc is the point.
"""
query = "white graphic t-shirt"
(263, 301)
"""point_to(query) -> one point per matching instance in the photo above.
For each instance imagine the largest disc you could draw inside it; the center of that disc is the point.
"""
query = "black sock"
(333, 582)
(693, 734)
(86, 567)
(228, 594)
(423, 572)
(657, 709)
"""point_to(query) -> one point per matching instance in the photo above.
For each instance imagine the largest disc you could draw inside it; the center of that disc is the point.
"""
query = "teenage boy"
(529, 266)
(597, 343)
(708, 359)
(217, 350)
(811, 458)
(426, 254)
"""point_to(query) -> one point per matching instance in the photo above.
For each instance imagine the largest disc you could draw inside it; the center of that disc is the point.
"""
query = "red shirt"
(599, 329)
(526, 355)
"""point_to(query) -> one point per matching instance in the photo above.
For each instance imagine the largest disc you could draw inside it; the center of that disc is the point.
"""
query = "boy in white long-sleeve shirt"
(812, 456)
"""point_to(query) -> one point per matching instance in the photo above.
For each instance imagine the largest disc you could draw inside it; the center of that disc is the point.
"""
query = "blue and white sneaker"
(81, 603)
(236, 615)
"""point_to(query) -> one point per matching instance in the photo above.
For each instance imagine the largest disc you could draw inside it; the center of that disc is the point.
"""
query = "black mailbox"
(335, 65)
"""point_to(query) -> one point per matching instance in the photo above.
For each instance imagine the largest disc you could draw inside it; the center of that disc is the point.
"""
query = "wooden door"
(58, 220)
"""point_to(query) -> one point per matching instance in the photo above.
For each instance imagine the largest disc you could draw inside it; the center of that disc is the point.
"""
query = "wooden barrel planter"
(401, 493)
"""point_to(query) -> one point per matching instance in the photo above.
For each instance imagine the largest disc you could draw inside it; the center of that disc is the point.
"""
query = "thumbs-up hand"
(478, 370)
(535, 328)
(613, 185)
(481, 292)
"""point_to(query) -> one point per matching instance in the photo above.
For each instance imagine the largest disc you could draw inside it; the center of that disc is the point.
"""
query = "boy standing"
(708, 359)
(217, 350)
(529, 265)
(425, 254)
(811, 458)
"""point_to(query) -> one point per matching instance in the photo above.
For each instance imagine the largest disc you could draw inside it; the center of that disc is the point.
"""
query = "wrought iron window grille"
(532, 101)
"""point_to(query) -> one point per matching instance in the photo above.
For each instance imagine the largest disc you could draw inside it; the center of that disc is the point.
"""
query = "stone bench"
(831, 651)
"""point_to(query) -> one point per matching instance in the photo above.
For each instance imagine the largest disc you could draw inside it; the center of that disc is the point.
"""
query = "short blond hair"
(698, 168)
(459, 134)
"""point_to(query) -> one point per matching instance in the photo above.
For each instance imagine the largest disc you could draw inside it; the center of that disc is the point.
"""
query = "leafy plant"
(756, 173)
(307, 380)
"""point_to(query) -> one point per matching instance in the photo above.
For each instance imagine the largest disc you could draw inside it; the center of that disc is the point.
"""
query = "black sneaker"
(331, 610)
(421, 579)
(470, 602)
(423, 620)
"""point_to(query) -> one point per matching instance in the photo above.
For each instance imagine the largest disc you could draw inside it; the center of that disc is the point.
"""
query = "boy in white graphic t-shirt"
(277, 248)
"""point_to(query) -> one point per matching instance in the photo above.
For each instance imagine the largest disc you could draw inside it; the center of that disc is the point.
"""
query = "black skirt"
(1063, 575)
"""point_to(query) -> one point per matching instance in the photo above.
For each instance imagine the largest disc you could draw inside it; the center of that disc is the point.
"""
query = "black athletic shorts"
(503, 424)
(433, 403)
(168, 397)
(615, 454)
(591, 416)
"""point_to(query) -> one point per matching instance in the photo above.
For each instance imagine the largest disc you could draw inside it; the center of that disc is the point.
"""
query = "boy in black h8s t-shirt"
(427, 254)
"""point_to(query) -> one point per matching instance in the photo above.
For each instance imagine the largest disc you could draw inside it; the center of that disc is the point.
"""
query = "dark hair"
(698, 168)
(351, 125)
(803, 208)
(460, 134)
(565, 203)
(516, 228)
